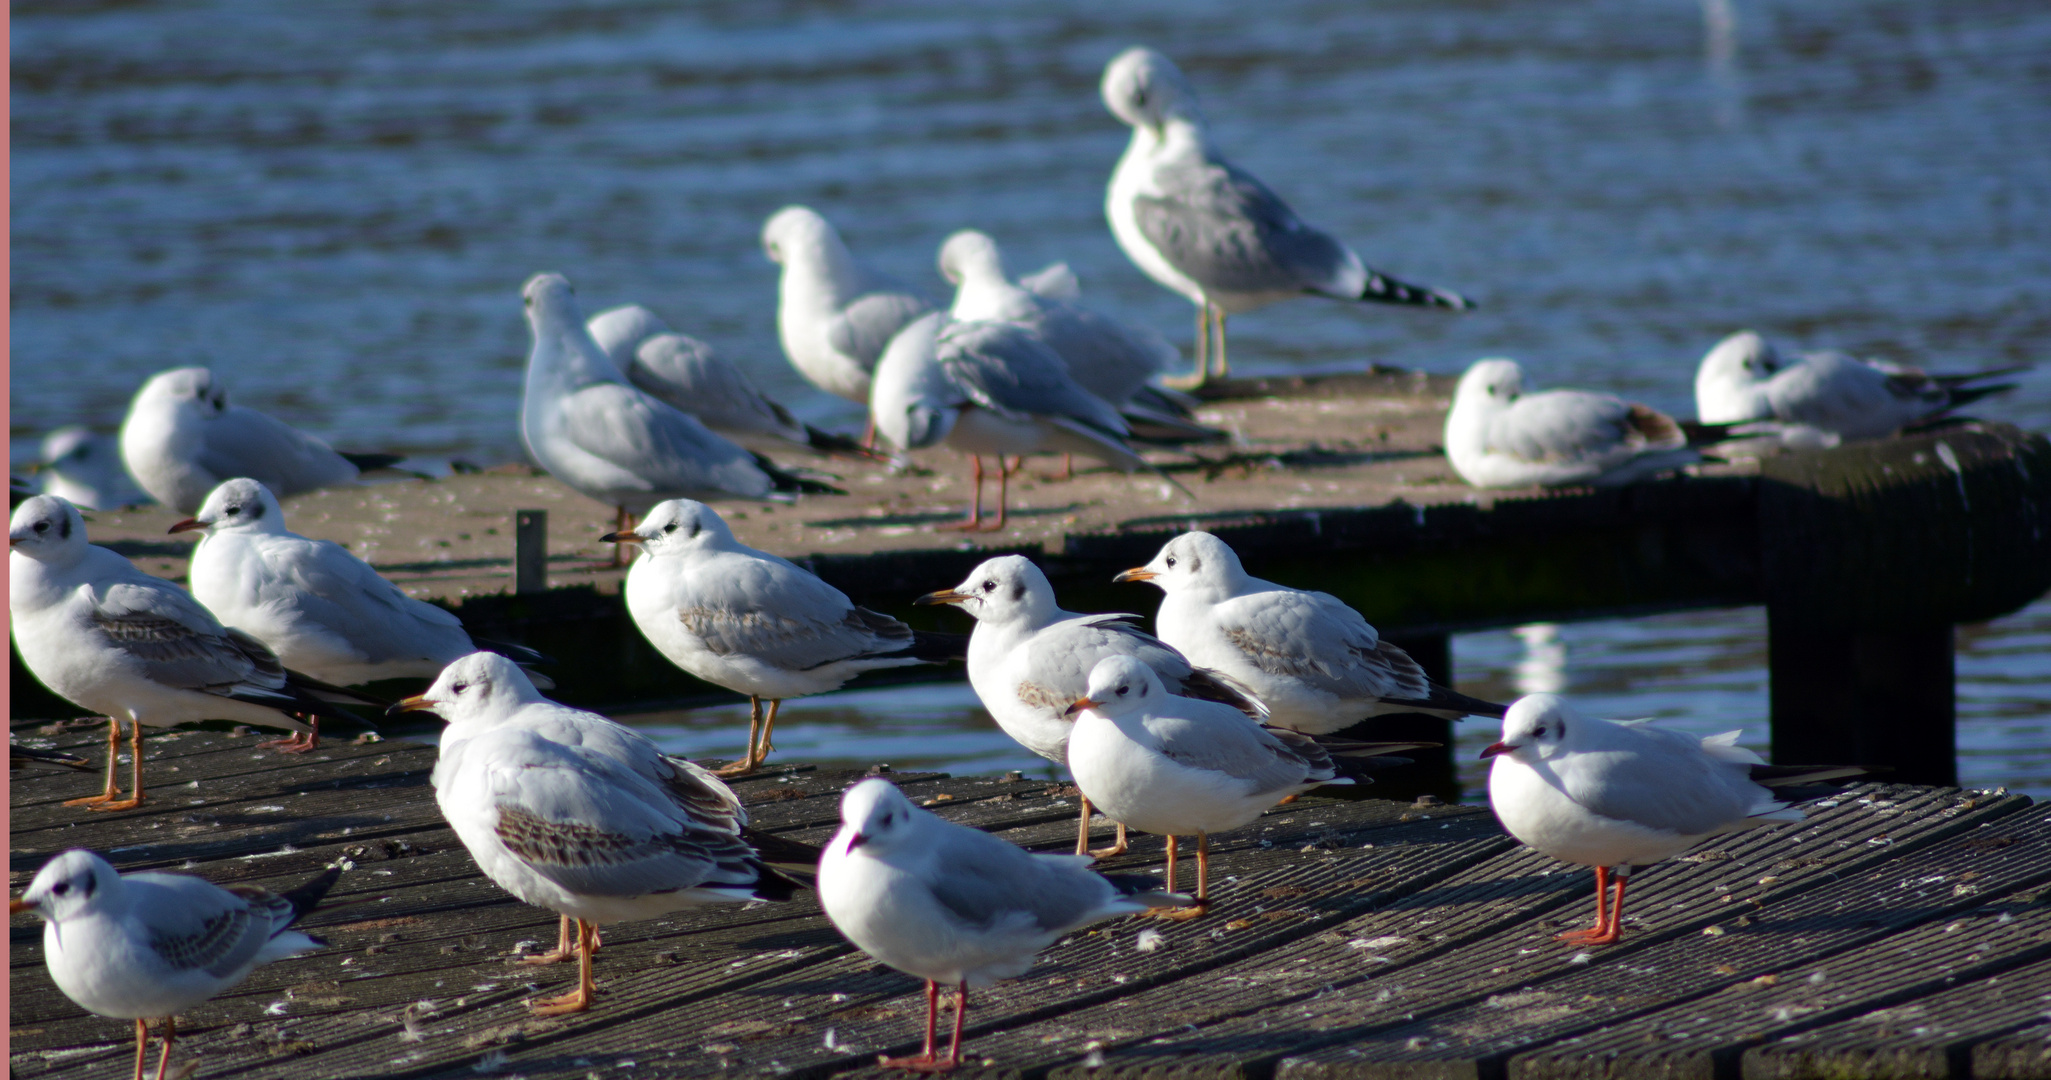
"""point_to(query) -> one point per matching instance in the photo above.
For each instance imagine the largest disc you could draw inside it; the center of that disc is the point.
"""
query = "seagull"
(1175, 765)
(1620, 795)
(104, 635)
(583, 422)
(563, 815)
(1828, 396)
(833, 314)
(1202, 226)
(754, 623)
(991, 388)
(689, 376)
(1110, 359)
(84, 468)
(20, 757)
(1317, 665)
(950, 904)
(148, 945)
(1497, 436)
(320, 609)
(1029, 660)
(182, 438)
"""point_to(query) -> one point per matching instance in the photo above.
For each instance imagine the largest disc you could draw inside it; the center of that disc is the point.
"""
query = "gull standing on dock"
(1497, 436)
(1616, 796)
(991, 388)
(754, 623)
(149, 945)
(1209, 230)
(322, 610)
(566, 816)
(950, 904)
(582, 422)
(833, 314)
(106, 636)
(1029, 660)
(1826, 397)
(84, 468)
(182, 438)
(1178, 766)
(1316, 663)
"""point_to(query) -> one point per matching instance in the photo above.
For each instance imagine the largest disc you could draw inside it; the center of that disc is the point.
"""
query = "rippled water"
(334, 205)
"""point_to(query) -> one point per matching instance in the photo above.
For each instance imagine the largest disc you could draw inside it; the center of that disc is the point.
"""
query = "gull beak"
(416, 703)
(620, 538)
(187, 525)
(16, 907)
(944, 596)
(855, 841)
(1081, 704)
(1492, 749)
(13, 540)
(1137, 573)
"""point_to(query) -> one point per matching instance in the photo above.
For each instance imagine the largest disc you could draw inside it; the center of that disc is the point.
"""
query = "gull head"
(1729, 382)
(74, 883)
(1536, 728)
(678, 527)
(794, 231)
(909, 393)
(970, 254)
(240, 504)
(1191, 561)
(1145, 89)
(1119, 685)
(874, 817)
(481, 687)
(74, 446)
(549, 300)
(189, 388)
(1497, 383)
(1004, 589)
(47, 529)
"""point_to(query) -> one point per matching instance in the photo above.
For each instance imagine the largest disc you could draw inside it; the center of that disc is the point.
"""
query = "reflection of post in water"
(1543, 668)
(1720, 56)
(1435, 773)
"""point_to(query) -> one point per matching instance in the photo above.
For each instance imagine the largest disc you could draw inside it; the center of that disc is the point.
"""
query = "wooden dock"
(1902, 931)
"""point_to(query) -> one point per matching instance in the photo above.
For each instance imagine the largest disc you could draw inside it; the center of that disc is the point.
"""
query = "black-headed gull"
(833, 314)
(755, 623)
(147, 946)
(1616, 796)
(950, 904)
(1209, 230)
(1029, 660)
(1498, 436)
(1316, 663)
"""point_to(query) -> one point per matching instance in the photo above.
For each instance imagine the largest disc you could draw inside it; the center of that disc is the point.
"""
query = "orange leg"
(869, 434)
(1609, 918)
(1203, 867)
(142, 1046)
(111, 790)
(170, 1036)
(747, 761)
(1004, 472)
(929, 1060)
(579, 999)
(564, 948)
(134, 798)
(298, 743)
(975, 518)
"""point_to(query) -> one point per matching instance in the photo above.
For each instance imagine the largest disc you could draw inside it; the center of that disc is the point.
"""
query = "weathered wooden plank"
(2025, 1055)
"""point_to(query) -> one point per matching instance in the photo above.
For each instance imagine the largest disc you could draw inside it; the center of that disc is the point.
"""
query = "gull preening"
(182, 438)
(1616, 796)
(1498, 436)
(755, 623)
(1315, 663)
(833, 314)
(1179, 766)
(567, 816)
(128, 646)
(320, 609)
(149, 946)
(950, 904)
(1209, 230)
(1824, 397)
(84, 468)
(1029, 660)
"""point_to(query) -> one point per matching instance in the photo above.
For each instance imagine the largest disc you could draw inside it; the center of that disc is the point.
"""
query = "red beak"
(188, 525)
(1496, 748)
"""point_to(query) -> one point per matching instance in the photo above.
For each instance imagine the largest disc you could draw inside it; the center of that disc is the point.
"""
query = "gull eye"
(61, 888)
(460, 687)
(42, 526)
(1171, 562)
(1540, 732)
(234, 510)
(670, 528)
(1122, 690)
(989, 586)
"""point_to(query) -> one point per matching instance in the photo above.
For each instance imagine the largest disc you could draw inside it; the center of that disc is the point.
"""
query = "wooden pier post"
(1435, 772)
(530, 551)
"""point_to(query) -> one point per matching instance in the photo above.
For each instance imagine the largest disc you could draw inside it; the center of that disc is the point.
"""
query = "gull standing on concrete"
(833, 315)
(950, 904)
(562, 815)
(1208, 229)
(991, 388)
(1029, 660)
(1616, 796)
(754, 623)
(84, 469)
(322, 610)
(582, 422)
(1177, 766)
(1825, 397)
(150, 945)
(1497, 436)
(102, 634)
(1315, 663)
(182, 438)
(689, 376)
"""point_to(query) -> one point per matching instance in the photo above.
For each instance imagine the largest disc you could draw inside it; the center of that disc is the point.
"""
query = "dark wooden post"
(1871, 553)
(1435, 772)
(530, 551)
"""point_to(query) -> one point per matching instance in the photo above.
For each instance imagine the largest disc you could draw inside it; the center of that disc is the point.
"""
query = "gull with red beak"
(1616, 796)
(950, 904)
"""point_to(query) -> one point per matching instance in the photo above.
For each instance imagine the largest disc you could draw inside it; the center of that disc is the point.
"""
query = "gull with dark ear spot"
(1498, 436)
(1208, 229)
(104, 635)
(755, 623)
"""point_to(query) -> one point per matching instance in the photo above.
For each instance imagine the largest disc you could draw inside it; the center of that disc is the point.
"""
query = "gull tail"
(1962, 378)
(1792, 775)
(798, 860)
(786, 482)
(1146, 889)
(21, 755)
(829, 442)
(521, 655)
(1961, 396)
(1207, 685)
(1383, 289)
(371, 462)
(1449, 703)
(938, 648)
